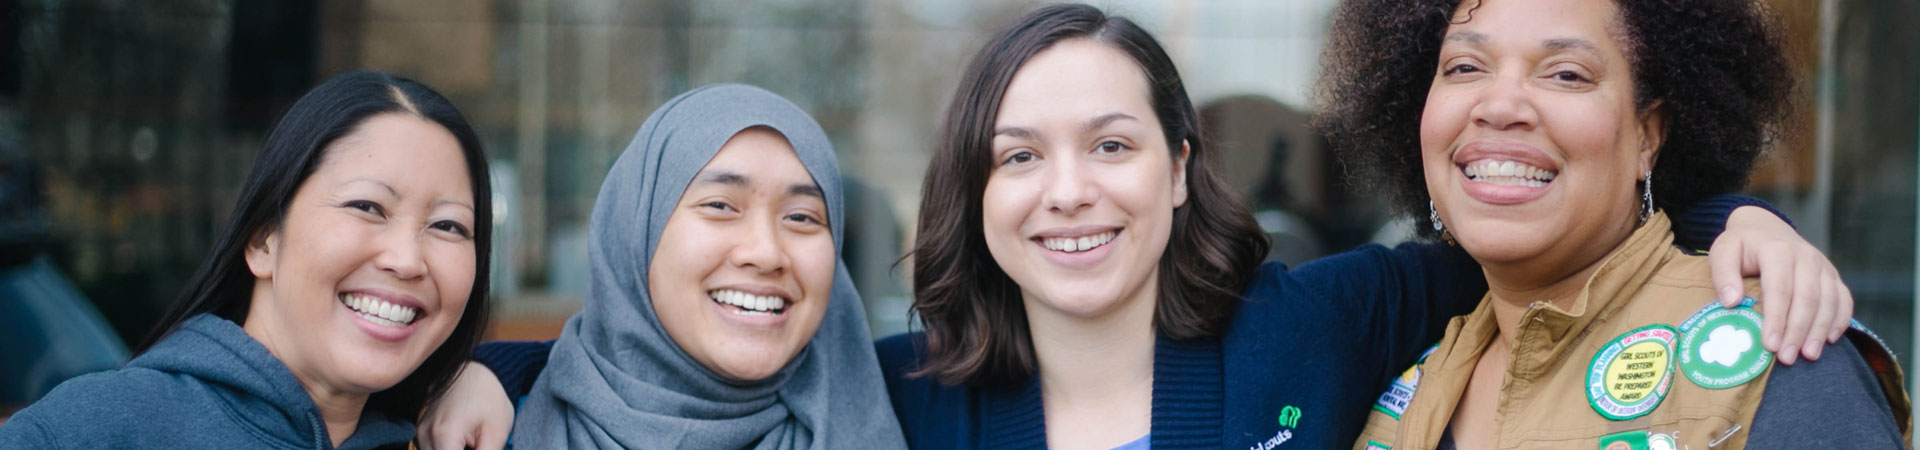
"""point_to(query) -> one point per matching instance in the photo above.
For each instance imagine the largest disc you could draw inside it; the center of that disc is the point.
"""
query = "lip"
(1502, 151)
(733, 315)
(1077, 260)
(383, 332)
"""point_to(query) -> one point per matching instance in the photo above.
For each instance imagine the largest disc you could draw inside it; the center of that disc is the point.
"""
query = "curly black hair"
(1719, 69)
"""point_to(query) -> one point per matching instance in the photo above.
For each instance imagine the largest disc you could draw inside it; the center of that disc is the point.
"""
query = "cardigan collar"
(1188, 401)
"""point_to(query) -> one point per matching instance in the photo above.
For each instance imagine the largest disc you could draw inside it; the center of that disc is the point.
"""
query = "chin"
(751, 368)
(756, 360)
(1082, 302)
(369, 380)
(1501, 248)
(376, 370)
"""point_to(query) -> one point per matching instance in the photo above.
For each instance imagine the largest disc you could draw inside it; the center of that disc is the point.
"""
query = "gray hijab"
(616, 380)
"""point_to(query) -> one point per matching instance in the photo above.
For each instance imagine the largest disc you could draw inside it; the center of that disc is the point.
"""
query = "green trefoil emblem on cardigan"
(1290, 417)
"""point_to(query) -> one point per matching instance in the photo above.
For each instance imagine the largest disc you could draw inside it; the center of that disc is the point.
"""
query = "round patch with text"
(1631, 374)
(1720, 347)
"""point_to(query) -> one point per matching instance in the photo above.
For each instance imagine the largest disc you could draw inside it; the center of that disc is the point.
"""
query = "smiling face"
(1080, 198)
(1530, 138)
(372, 265)
(745, 264)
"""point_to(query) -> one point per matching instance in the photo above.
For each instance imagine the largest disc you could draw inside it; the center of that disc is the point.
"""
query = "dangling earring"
(1434, 216)
(1646, 197)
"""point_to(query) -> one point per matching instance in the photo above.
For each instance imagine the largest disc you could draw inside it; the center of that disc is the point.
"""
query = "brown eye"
(1568, 76)
(453, 227)
(1020, 158)
(803, 218)
(367, 207)
(1113, 147)
(1460, 69)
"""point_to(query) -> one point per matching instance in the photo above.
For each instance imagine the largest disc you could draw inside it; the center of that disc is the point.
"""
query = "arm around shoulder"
(516, 363)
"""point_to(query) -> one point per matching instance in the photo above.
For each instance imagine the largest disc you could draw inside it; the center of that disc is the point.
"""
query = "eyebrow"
(807, 190)
(1017, 132)
(1104, 120)
(738, 180)
(1571, 44)
(389, 188)
(458, 203)
(727, 178)
(1470, 37)
(1092, 125)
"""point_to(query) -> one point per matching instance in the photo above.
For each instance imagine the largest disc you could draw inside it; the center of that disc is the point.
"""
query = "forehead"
(760, 155)
(1074, 80)
(402, 147)
(1537, 20)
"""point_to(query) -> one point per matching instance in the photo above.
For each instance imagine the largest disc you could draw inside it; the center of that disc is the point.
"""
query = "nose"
(759, 249)
(400, 254)
(1506, 104)
(1069, 186)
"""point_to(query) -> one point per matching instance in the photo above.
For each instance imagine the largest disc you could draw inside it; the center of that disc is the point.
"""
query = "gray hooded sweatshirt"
(206, 385)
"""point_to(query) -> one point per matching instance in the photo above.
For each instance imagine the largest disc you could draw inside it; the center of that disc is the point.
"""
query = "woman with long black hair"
(345, 292)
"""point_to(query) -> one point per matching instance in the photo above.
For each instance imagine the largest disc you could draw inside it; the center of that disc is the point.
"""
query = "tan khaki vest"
(1641, 296)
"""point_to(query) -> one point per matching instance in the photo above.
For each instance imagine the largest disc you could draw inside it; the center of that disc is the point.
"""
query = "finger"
(1822, 322)
(1843, 319)
(491, 439)
(1724, 262)
(1805, 299)
(424, 437)
(447, 436)
(1776, 288)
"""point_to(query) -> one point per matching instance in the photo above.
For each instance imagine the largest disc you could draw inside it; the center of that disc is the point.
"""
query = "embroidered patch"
(1630, 376)
(1394, 401)
(1371, 445)
(1720, 347)
(1627, 440)
(1657, 441)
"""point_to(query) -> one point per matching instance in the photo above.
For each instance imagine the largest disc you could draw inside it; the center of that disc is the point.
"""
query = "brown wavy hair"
(975, 325)
(1718, 68)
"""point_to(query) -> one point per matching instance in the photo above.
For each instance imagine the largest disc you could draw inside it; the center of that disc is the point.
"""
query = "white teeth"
(1079, 244)
(379, 311)
(1509, 173)
(753, 304)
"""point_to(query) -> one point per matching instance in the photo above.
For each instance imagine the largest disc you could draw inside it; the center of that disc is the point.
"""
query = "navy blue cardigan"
(1315, 345)
(1321, 340)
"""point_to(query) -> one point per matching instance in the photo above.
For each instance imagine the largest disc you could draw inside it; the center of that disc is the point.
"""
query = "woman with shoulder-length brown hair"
(1085, 280)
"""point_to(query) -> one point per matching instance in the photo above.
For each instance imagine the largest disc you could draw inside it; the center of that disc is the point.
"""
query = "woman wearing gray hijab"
(714, 257)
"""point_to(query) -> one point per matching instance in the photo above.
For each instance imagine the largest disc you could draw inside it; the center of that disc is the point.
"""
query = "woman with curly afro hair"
(1545, 137)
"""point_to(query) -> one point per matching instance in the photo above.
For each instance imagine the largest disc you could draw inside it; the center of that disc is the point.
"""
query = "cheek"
(814, 264)
(1571, 126)
(685, 255)
(453, 265)
(311, 261)
(1144, 187)
(1441, 122)
(813, 261)
(1005, 205)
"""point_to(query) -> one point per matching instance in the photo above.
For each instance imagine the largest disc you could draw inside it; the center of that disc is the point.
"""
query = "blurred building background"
(142, 117)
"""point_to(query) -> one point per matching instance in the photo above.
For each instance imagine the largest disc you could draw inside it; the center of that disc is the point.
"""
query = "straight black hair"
(223, 285)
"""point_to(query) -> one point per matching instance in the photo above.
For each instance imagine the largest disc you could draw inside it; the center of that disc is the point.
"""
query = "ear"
(260, 250)
(1653, 133)
(1180, 174)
